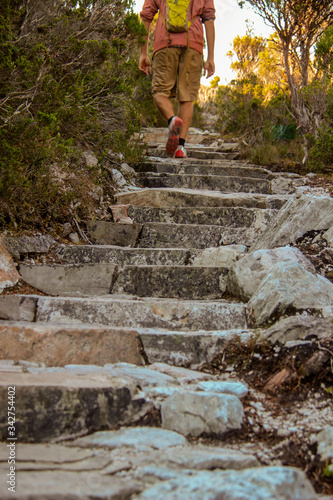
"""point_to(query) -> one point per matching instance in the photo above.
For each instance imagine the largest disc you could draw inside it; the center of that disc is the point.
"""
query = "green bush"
(66, 85)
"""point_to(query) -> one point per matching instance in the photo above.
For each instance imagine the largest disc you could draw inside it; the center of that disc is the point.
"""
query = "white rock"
(259, 483)
(325, 443)
(299, 215)
(245, 275)
(195, 413)
(288, 284)
(219, 256)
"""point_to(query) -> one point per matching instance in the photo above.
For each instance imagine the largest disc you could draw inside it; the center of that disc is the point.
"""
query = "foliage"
(299, 25)
(66, 83)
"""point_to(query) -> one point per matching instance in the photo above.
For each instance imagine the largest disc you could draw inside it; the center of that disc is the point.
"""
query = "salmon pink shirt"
(200, 12)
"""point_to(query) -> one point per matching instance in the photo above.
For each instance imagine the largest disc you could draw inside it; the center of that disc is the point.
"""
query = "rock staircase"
(104, 363)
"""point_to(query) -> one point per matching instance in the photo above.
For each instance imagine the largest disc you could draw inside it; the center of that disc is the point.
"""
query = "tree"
(298, 24)
(246, 49)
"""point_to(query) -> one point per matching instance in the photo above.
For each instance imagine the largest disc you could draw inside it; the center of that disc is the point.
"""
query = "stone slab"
(51, 485)
(69, 279)
(60, 345)
(140, 438)
(18, 307)
(218, 216)
(196, 153)
(108, 233)
(192, 167)
(172, 197)
(144, 313)
(23, 245)
(188, 349)
(183, 282)
(159, 235)
(209, 257)
(259, 483)
(53, 404)
(225, 184)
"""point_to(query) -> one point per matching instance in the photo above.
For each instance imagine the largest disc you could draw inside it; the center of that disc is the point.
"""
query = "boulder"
(288, 286)
(245, 275)
(298, 328)
(195, 413)
(298, 216)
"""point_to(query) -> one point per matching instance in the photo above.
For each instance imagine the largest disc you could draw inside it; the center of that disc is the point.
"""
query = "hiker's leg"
(165, 74)
(190, 71)
(164, 105)
(185, 113)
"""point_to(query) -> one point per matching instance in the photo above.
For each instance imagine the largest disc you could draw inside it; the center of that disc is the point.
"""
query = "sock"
(169, 121)
(181, 142)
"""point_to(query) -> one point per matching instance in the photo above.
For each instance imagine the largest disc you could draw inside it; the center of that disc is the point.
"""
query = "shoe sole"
(173, 139)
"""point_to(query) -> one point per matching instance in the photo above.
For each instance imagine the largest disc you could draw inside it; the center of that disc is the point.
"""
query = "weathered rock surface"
(9, 275)
(325, 443)
(107, 233)
(298, 328)
(69, 279)
(62, 345)
(181, 349)
(177, 197)
(297, 217)
(23, 245)
(194, 413)
(53, 404)
(289, 286)
(280, 483)
(245, 275)
(182, 282)
(169, 314)
(140, 438)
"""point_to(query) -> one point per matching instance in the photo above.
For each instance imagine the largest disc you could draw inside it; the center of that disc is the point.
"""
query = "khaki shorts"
(174, 79)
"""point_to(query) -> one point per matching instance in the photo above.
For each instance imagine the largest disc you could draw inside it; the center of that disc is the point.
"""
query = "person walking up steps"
(178, 60)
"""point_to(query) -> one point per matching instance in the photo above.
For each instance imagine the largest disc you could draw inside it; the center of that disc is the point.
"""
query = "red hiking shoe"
(181, 152)
(173, 139)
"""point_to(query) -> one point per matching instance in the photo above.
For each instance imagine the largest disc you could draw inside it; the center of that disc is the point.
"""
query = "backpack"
(177, 16)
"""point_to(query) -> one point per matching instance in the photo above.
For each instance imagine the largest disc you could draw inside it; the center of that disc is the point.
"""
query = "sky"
(230, 22)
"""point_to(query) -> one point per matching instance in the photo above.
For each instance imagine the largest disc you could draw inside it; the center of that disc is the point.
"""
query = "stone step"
(58, 404)
(179, 236)
(177, 281)
(160, 235)
(218, 216)
(209, 257)
(173, 197)
(221, 183)
(57, 345)
(158, 135)
(205, 167)
(181, 282)
(168, 314)
(60, 345)
(69, 279)
(197, 153)
(192, 146)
